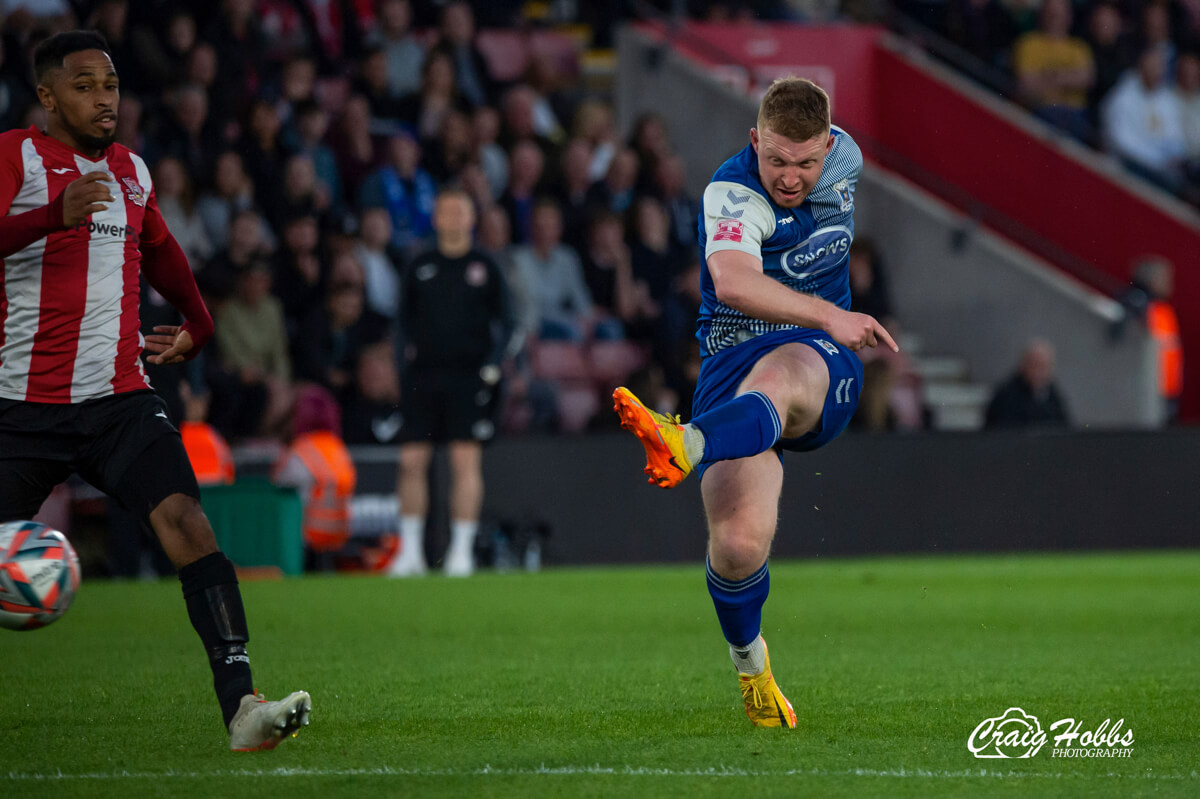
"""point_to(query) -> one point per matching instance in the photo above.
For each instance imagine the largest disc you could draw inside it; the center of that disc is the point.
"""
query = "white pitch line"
(620, 771)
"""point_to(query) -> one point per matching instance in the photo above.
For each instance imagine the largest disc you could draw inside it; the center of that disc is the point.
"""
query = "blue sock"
(739, 604)
(746, 425)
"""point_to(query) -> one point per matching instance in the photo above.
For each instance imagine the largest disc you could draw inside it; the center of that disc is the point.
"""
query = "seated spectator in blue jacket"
(406, 190)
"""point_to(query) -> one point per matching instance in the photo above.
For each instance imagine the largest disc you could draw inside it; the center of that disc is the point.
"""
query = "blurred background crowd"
(297, 147)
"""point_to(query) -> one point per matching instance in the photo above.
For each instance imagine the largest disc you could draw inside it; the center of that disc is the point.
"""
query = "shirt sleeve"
(736, 218)
(19, 231)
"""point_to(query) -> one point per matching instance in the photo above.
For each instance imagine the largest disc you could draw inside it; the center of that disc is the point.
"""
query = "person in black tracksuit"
(456, 322)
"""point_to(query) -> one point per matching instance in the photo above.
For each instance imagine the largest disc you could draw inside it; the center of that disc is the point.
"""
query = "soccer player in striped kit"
(80, 222)
(777, 342)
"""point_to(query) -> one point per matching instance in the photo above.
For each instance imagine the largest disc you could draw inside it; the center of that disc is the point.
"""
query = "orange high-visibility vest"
(327, 509)
(1163, 325)
(209, 454)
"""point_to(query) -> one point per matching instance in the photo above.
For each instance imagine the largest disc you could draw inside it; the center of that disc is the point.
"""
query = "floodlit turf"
(616, 682)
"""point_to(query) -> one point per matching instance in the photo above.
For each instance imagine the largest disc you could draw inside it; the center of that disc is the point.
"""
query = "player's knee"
(739, 550)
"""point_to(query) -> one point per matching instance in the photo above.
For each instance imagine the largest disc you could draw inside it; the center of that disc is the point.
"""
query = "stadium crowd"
(297, 149)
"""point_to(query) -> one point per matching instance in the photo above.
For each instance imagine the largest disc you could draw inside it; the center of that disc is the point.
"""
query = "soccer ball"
(39, 574)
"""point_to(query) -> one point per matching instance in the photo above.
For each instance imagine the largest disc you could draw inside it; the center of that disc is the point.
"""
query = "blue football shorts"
(722, 373)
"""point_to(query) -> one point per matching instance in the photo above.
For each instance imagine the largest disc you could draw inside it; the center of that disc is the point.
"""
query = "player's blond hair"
(795, 108)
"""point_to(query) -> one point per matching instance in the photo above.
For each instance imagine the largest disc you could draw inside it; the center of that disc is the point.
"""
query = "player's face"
(789, 169)
(82, 98)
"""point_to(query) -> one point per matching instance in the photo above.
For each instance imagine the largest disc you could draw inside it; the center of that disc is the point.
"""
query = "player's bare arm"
(740, 283)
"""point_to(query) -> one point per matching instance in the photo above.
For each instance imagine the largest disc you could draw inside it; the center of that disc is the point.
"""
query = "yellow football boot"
(661, 436)
(765, 703)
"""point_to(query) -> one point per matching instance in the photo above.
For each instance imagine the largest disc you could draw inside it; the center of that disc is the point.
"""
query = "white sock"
(412, 536)
(693, 443)
(462, 535)
(750, 659)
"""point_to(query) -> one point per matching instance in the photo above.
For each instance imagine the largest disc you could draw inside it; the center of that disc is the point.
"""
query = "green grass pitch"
(615, 682)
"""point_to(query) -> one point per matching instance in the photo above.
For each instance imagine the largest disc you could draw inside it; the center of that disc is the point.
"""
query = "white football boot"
(260, 725)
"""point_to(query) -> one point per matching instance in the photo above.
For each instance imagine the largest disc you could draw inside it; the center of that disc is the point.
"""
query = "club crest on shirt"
(842, 187)
(137, 195)
(476, 273)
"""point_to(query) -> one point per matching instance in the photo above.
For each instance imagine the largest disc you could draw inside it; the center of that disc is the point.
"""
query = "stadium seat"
(577, 405)
(611, 362)
(559, 360)
(507, 53)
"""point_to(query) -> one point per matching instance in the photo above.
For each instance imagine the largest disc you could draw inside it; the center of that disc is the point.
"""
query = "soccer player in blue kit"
(777, 343)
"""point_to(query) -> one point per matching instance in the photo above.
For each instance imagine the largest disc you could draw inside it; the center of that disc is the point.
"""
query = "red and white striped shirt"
(69, 326)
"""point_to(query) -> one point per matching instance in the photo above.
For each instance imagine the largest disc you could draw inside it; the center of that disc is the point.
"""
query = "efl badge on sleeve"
(137, 195)
(728, 230)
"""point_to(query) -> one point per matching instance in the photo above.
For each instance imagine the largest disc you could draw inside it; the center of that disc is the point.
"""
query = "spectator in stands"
(553, 271)
(1029, 398)
(869, 295)
(186, 134)
(372, 415)
(654, 261)
(241, 51)
(1143, 124)
(312, 123)
(427, 108)
(594, 124)
(300, 278)
(485, 127)
(262, 152)
(176, 202)
(333, 337)
(1056, 70)
(650, 143)
(164, 58)
(449, 153)
(525, 167)
(609, 274)
(302, 193)
(682, 209)
(231, 193)
(252, 342)
(455, 327)
(519, 108)
(456, 36)
(1156, 32)
(1112, 52)
(984, 28)
(616, 191)
(380, 263)
(550, 104)
(403, 53)
(1187, 89)
(129, 114)
(571, 191)
(407, 192)
(387, 110)
(357, 148)
(245, 243)
(1148, 299)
